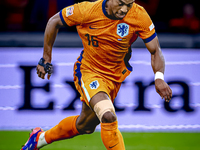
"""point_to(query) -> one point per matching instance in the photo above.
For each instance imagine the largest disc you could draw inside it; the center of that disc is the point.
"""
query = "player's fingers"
(39, 74)
(42, 75)
(48, 76)
(161, 94)
(40, 71)
(169, 93)
(165, 95)
(37, 70)
(167, 100)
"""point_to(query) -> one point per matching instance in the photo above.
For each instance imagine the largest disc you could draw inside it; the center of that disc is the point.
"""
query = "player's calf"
(110, 135)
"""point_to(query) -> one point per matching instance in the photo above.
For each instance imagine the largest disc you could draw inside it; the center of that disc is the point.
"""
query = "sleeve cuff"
(62, 19)
(150, 38)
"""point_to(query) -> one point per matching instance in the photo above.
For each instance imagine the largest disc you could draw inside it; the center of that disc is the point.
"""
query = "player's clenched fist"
(42, 69)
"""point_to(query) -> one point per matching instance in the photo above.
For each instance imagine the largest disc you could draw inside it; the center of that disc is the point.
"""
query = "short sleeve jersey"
(106, 41)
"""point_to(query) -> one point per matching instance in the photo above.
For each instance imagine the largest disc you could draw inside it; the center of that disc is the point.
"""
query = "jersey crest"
(122, 29)
(94, 84)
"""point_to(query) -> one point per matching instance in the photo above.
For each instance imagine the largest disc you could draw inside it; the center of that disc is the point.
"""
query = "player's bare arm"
(50, 34)
(158, 65)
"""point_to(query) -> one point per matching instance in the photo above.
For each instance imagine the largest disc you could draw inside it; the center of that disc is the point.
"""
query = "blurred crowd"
(180, 16)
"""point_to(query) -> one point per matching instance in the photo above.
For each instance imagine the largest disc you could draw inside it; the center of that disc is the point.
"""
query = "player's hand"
(41, 73)
(43, 68)
(163, 89)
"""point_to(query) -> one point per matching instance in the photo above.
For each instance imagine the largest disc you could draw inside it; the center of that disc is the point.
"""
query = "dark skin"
(87, 121)
(117, 9)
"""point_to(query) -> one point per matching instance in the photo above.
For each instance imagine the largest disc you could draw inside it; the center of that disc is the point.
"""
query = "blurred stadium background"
(27, 101)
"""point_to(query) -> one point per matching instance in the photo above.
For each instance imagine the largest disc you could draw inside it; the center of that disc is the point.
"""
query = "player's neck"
(107, 7)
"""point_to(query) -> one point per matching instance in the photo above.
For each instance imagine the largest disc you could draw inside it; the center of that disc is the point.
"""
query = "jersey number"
(93, 40)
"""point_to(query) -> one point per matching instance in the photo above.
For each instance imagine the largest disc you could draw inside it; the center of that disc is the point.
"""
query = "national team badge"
(122, 29)
(69, 11)
(94, 84)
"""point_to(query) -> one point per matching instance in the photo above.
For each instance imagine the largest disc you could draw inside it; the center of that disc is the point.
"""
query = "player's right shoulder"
(87, 6)
(79, 13)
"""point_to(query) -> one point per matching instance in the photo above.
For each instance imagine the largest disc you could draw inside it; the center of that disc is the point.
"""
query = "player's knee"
(105, 111)
(108, 117)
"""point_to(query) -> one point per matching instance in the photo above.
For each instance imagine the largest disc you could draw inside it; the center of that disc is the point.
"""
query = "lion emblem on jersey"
(122, 29)
(94, 84)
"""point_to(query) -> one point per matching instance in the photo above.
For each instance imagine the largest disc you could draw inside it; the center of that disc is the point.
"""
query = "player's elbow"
(55, 21)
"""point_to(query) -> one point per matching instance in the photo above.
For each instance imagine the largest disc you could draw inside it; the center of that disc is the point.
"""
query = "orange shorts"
(88, 83)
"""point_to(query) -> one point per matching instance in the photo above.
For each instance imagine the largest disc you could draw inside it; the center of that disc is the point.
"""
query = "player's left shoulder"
(138, 11)
(138, 7)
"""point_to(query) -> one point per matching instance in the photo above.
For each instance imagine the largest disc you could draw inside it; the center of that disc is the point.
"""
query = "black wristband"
(48, 67)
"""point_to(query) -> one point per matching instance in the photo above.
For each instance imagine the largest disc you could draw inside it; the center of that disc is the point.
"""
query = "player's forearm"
(50, 34)
(49, 38)
(158, 61)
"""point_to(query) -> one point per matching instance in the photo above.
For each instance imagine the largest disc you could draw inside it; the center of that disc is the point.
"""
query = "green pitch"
(12, 140)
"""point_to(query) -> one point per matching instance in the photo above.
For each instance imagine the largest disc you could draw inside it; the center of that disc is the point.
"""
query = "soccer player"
(107, 29)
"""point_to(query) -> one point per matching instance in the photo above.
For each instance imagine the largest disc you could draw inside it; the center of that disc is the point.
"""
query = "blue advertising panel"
(27, 101)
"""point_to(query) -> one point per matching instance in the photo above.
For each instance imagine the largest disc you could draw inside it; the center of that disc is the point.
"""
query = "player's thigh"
(87, 121)
(89, 84)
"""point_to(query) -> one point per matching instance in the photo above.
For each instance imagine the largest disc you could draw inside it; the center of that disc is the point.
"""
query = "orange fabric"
(64, 130)
(111, 88)
(111, 136)
(104, 41)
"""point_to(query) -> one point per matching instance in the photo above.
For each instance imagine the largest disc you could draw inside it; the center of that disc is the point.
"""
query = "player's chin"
(120, 16)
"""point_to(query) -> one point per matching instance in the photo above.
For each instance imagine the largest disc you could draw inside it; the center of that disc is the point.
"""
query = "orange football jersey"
(106, 42)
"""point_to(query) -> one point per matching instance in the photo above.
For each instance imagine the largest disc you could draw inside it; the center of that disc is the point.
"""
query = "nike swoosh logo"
(92, 27)
(113, 145)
